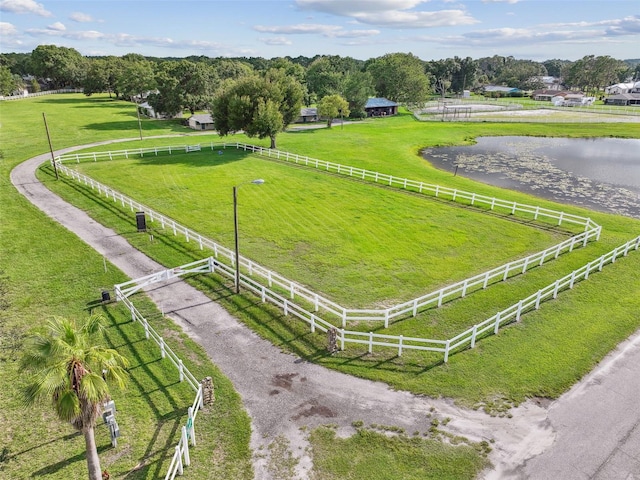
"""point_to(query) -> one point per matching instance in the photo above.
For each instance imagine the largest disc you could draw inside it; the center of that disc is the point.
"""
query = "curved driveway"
(590, 432)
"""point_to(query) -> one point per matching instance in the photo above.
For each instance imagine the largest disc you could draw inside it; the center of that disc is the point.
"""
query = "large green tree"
(136, 77)
(261, 105)
(400, 77)
(358, 87)
(8, 81)
(592, 73)
(68, 366)
(62, 66)
(333, 106)
(183, 85)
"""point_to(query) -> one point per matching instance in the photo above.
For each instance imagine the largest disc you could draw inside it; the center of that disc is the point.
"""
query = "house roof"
(202, 118)
(628, 85)
(498, 88)
(380, 103)
(551, 93)
(624, 96)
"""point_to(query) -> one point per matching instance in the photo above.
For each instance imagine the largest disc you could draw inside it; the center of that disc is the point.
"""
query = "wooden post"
(53, 159)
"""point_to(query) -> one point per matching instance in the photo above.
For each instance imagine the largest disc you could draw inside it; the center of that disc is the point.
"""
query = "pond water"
(598, 173)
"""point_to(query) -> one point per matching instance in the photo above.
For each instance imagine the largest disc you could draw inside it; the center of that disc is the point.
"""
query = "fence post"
(179, 456)
(162, 352)
(185, 447)
(386, 319)
(519, 311)
(191, 425)
(446, 351)
(497, 327)
(181, 369)
(370, 342)
(400, 346)
(313, 323)
(474, 332)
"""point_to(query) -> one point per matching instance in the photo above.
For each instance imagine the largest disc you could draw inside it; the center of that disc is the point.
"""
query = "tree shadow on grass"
(56, 467)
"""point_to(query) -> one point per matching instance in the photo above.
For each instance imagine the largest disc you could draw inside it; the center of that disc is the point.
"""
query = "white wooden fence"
(467, 338)
(181, 456)
(295, 290)
(40, 94)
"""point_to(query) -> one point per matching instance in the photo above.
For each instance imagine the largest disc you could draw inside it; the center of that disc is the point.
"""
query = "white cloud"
(81, 17)
(390, 13)
(401, 19)
(300, 29)
(57, 26)
(7, 29)
(625, 26)
(24, 6)
(275, 41)
(352, 7)
(315, 29)
(215, 49)
(500, 1)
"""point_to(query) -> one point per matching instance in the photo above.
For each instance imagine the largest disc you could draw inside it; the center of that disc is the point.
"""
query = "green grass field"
(44, 271)
(357, 243)
(542, 356)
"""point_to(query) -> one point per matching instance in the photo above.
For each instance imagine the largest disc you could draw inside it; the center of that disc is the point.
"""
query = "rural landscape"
(246, 267)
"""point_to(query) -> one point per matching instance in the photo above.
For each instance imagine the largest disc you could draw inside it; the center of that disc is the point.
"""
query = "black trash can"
(141, 222)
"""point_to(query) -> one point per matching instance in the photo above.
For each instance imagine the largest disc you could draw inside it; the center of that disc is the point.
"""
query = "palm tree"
(67, 366)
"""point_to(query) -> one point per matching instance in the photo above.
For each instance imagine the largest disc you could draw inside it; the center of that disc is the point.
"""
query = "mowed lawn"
(354, 242)
(542, 356)
(46, 270)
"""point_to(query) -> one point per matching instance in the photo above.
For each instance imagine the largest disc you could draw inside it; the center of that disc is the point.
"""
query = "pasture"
(542, 356)
(547, 352)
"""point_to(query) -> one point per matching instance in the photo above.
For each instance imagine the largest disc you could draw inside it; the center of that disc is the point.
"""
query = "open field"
(358, 243)
(392, 146)
(544, 355)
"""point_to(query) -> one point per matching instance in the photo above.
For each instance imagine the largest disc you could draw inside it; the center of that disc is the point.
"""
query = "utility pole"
(53, 158)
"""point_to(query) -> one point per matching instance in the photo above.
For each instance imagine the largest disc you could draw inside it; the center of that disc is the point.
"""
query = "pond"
(598, 173)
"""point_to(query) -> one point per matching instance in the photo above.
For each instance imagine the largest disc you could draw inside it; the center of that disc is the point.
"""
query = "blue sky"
(430, 29)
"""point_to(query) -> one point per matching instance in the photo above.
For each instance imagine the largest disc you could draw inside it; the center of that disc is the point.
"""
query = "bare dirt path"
(284, 394)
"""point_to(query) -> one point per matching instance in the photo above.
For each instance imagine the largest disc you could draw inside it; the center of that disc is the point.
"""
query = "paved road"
(590, 432)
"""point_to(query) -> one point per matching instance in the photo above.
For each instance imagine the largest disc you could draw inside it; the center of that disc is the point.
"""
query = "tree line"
(262, 96)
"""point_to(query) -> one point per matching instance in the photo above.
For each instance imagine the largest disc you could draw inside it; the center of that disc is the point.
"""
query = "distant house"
(573, 99)
(147, 110)
(619, 88)
(546, 95)
(380, 107)
(623, 99)
(551, 83)
(201, 121)
(308, 115)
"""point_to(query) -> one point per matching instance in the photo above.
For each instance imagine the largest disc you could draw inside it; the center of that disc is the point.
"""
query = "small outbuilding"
(201, 121)
(308, 115)
(380, 107)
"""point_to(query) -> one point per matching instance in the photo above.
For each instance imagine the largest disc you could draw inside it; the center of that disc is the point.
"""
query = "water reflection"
(601, 174)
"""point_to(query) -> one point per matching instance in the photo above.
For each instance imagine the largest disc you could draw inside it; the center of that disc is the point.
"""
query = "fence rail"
(39, 94)
(181, 456)
(295, 290)
(446, 347)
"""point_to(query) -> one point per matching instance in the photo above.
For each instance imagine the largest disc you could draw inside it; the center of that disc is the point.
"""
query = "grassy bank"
(44, 271)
